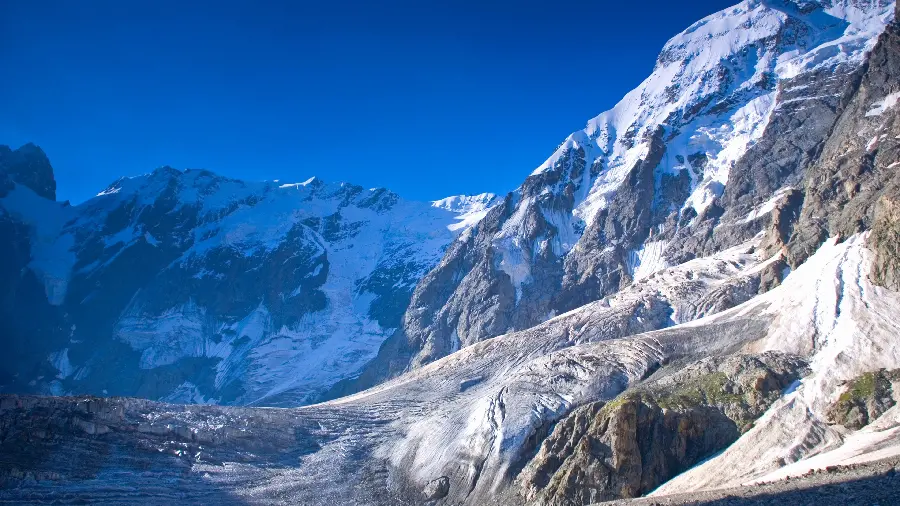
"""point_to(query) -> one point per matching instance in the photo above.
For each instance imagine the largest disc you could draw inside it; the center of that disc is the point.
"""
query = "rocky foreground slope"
(739, 328)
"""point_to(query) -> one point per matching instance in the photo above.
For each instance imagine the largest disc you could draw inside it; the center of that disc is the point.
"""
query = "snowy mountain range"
(697, 291)
(189, 287)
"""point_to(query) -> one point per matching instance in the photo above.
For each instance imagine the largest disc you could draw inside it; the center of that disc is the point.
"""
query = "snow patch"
(767, 206)
(647, 260)
(872, 144)
(880, 107)
(470, 209)
(52, 255)
(165, 338)
(187, 393)
(60, 360)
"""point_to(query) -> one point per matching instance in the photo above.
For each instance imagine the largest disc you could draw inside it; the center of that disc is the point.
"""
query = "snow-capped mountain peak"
(715, 85)
(241, 289)
(697, 158)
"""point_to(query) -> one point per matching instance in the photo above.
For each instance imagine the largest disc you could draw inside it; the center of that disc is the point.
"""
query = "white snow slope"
(826, 310)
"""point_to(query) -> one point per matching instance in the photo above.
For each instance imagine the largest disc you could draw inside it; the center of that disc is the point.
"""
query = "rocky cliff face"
(856, 173)
(30, 325)
(865, 399)
(28, 166)
(885, 240)
(191, 287)
(634, 443)
(696, 159)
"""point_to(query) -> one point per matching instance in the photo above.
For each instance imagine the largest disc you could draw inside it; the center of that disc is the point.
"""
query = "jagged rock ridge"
(710, 150)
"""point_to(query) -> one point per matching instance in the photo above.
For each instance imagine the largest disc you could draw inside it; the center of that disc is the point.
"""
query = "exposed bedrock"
(637, 441)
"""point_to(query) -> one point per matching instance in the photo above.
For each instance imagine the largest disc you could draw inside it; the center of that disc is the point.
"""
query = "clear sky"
(428, 98)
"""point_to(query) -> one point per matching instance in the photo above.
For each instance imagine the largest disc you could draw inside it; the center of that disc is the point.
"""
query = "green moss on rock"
(631, 444)
(864, 399)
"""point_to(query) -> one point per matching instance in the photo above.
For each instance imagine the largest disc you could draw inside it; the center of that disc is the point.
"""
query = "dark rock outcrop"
(437, 489)
(865, 398)
(29, 166)
(630, 445)
(29, 325)
(885, 242)
(858, 162)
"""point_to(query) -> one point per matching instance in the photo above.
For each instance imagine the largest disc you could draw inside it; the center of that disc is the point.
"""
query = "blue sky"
(427, 98)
